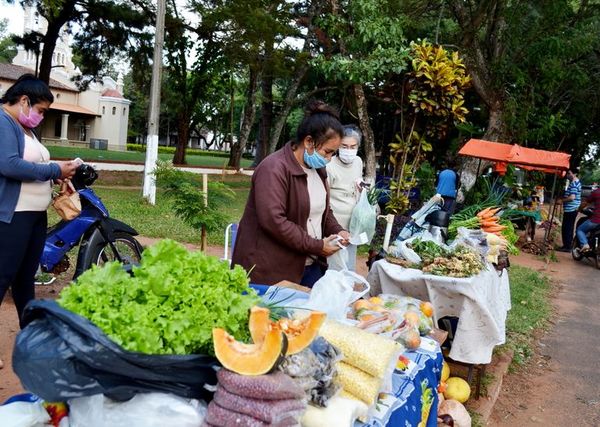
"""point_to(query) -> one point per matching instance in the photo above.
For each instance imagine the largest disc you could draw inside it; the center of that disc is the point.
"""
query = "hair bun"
(320, 107)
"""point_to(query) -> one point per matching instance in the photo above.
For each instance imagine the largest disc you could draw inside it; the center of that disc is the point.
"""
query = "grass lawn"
(531, 309)
(159, 220)
(89, 154)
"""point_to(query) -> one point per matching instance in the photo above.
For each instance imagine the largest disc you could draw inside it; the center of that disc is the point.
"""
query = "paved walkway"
(562, 388)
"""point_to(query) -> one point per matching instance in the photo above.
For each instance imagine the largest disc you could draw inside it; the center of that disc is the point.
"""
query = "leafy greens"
(170, 305)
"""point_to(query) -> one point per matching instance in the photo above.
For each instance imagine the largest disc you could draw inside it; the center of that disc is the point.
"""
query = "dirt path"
(561, 385)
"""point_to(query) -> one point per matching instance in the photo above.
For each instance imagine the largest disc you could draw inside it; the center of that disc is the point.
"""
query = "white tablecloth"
(480, 302)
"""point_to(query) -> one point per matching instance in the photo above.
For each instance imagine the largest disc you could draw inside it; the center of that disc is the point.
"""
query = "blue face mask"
(314, 160)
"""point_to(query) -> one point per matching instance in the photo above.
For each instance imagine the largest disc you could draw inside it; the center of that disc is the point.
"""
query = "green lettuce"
(170, 305)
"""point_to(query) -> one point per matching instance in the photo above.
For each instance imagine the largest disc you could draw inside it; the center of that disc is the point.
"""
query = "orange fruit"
(412, 340)
(412, 317)
(366, 317)
(427, 308)
(376, 301)
(362, 304)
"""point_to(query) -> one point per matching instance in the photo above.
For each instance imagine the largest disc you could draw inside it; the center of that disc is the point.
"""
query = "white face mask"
(347, 155)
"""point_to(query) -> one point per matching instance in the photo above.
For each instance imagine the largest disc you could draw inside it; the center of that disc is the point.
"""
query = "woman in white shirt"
(344, 174)
(26, 175)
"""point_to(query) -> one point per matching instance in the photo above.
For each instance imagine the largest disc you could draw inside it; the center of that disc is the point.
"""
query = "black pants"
(21, 246)
(568, 228)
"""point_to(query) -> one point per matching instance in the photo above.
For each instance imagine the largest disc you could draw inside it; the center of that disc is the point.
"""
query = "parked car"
(587, 189)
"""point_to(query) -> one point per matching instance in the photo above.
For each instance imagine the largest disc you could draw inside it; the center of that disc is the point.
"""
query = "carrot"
(489, 222)
(483, 212)
(494, 228)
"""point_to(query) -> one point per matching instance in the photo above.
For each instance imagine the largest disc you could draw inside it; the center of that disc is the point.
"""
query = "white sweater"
(34, 195)
(343, 193)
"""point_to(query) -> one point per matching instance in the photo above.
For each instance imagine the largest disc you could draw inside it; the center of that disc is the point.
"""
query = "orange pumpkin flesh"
(249, 359)
(299, 332)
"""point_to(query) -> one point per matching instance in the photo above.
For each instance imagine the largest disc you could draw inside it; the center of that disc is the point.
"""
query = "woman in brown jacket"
(288, 229)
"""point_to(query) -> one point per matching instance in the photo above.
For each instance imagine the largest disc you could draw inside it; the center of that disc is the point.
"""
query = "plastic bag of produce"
(335, 291)
(143, 410)
(24, 414)
(60, 355)
(364, 218)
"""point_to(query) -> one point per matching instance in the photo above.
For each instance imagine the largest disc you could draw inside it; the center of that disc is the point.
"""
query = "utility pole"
(154, 113)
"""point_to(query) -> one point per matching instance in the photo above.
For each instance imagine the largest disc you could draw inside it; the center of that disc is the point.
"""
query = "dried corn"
(358, 383)
(371, 353)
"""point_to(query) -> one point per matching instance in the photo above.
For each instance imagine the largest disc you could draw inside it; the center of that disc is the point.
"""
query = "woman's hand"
(67, 169)
(346, 236)
(330, 246)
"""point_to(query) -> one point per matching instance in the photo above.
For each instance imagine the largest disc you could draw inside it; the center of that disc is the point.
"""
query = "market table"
(404, 406)
(480, 302)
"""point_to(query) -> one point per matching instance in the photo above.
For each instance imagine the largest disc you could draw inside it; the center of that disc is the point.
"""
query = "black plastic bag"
(60, 355)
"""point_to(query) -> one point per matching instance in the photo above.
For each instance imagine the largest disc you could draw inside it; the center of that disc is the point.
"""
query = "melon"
(299, 332)
(445, 371)
(250, 359)
(457, 389)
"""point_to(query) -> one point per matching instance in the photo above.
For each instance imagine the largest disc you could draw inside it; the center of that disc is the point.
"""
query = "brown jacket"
(272, 242)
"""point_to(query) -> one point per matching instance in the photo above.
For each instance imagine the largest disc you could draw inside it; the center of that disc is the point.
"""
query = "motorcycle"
(593, 240)
(100, 237)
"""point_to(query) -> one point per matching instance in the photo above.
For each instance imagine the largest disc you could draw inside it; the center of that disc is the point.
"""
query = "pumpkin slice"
(250, 359)
(299, 332)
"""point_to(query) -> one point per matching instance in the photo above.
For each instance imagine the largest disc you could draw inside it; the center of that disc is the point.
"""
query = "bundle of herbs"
(436, 260)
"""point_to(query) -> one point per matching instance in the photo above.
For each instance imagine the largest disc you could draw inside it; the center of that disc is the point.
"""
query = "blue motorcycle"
(100, 237)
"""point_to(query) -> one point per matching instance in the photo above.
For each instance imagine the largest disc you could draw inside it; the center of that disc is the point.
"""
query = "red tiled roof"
(13, 72)
(71, 108)
(112, 93)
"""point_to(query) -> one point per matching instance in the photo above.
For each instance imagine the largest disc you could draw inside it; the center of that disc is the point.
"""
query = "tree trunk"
(496, 131)
(237, 149)
(266, 115)
(301, 70)
(183, 137)
(368, 137)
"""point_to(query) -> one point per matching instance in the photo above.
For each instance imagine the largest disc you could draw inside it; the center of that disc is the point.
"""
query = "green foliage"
(435, 88)
(371, 31)
(425, 176)
(530, 310)
(171, 304)
(189, 201)
(438, 82)
(8, 48)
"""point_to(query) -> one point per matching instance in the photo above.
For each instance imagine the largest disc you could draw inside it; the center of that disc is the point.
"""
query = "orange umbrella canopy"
(526, 158)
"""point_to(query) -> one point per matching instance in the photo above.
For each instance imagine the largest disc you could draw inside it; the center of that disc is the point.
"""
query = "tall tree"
(8, 48)
(101, 29)
(367, 45)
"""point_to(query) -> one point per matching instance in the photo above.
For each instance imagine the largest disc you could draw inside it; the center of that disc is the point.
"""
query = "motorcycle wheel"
(576, 251)
(128, 247)
(598, 258)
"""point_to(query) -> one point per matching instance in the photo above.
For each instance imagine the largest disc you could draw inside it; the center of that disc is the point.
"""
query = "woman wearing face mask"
(25, 186)
(344, 173)
(288, 229)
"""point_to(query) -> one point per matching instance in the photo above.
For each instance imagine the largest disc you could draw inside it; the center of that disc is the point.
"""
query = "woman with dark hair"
(288, 229)
(26, 176)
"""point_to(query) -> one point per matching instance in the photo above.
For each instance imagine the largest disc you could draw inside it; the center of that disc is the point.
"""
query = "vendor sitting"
(288, 229)
(446, 186)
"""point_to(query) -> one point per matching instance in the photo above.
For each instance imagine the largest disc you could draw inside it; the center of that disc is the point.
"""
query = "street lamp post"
(149, 190)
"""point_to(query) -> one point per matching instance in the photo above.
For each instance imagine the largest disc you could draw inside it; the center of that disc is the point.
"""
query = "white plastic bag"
(364, 218)
(24, 414)
(144, 410)
(335, 291)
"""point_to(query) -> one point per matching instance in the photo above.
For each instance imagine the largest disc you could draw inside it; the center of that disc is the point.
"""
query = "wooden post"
(203, 244)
